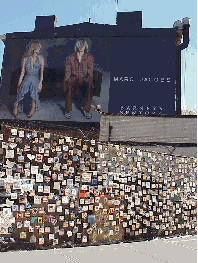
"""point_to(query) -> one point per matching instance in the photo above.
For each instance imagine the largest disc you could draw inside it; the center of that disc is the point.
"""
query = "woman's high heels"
(32, 111)
(15, 112)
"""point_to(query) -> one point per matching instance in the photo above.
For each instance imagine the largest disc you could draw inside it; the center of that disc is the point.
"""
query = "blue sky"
(16, 16)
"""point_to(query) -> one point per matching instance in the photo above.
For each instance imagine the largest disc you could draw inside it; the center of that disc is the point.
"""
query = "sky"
(19, 16)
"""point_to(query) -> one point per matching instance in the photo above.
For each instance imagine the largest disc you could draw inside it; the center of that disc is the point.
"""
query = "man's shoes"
(86, 114)
(68, 115)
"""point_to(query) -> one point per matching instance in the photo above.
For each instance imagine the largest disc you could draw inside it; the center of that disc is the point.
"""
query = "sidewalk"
(169, 250)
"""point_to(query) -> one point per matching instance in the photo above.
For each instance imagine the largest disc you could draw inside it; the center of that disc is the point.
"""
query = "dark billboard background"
(142, 75)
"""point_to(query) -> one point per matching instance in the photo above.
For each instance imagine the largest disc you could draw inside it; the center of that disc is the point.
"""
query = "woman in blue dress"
(32, 63)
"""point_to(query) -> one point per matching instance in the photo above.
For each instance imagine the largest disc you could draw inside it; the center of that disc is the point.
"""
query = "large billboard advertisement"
(127, 75)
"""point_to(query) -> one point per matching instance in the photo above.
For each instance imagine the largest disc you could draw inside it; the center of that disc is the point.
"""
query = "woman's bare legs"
(33, 109)
(15, 110)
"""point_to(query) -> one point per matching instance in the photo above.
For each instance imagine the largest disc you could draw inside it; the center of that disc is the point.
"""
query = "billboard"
(131, 75)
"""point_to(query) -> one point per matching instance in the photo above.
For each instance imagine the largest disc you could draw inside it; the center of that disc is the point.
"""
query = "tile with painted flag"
(27, 213)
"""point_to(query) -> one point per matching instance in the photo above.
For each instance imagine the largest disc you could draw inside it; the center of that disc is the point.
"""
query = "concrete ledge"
(149, 129)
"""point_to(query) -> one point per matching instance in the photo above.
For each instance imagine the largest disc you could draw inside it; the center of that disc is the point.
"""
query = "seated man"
(79, 76)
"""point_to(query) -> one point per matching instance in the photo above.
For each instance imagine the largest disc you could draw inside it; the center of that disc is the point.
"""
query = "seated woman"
(31, 64)
(79, 76)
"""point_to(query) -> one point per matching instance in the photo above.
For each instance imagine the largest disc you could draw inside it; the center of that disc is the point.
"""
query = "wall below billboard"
(58, 190)
(164, 134)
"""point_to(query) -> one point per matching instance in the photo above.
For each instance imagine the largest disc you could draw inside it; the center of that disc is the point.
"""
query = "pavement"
(165, 250)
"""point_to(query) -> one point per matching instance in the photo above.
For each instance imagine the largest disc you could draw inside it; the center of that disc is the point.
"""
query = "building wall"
(163, 134)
